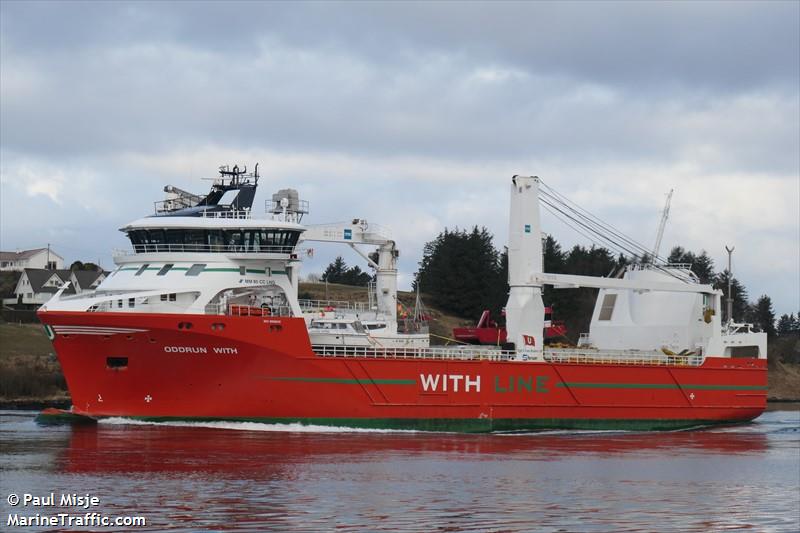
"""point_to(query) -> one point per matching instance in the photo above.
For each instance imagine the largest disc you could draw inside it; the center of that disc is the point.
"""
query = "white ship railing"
(205, 248)
(443, 353)
(631, 357)
(294, 207)
(464, 353)
(333, 306)
(650, 266)
(228, 213)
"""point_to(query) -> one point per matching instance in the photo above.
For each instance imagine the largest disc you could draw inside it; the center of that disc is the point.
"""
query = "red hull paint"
(259, 367)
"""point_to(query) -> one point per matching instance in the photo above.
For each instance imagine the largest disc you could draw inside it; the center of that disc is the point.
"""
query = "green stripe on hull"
(572, 385)
(472, 425)
(347, 381)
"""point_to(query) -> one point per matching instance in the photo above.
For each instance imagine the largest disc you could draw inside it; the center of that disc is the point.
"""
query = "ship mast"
(730, 276)
(525, 309)
(662, 225)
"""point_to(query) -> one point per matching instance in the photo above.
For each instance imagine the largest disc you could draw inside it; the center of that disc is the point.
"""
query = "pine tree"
(785, 324)
(463, 272)
(740, 303)
(765, 316)
(338, 272)
(335, 271)
(702, 265)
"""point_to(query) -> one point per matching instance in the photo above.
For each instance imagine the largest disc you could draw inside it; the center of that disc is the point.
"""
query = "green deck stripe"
(255, 271)
(348, 381)
(584, 385)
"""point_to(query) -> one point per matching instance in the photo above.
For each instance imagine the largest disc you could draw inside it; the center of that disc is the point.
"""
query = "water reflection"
(211, 478)
(258, 454)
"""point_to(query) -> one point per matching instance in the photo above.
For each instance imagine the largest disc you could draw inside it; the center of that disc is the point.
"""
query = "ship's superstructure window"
(166, 268)
(195, 270)
(262, 240)
(607, 308)
(141, 269)
(242, 270)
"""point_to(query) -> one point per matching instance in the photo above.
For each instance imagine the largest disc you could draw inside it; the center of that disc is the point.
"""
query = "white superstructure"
(197, 257)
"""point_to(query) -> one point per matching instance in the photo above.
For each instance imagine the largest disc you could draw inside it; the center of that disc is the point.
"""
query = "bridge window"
(174, 236)
(216, 238)
(186, 239)
(195, 236)
(155, 236)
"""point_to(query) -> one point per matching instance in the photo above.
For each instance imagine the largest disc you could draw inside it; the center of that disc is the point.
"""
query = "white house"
(43, 258)
(37, 285)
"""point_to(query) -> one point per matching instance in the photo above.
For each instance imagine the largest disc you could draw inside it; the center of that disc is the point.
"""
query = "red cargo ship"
(201, 320)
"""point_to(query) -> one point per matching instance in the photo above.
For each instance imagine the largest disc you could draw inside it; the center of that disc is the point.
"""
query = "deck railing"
(333, 306)
(205, 248)
(464, 353)
(443, 353)
(631, 357)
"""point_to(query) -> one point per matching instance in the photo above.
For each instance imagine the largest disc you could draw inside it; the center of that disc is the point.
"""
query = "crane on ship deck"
(384, 261)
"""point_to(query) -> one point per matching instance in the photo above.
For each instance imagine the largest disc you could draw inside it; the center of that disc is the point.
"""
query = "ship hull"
(205, 367)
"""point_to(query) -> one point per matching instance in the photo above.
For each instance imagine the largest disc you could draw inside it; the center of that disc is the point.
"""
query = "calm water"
(251, 477)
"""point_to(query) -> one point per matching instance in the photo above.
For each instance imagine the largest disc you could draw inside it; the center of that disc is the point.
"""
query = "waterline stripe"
(349, 381)
(465, 425)
(583, 385)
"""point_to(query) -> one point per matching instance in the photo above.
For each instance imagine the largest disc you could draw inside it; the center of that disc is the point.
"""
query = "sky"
(412, 115)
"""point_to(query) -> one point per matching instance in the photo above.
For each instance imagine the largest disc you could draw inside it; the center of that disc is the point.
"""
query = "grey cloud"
(152, 97)
(723, 45)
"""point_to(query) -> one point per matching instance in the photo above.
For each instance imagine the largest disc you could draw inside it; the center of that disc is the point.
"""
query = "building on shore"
(39, 258)
(37, 285)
